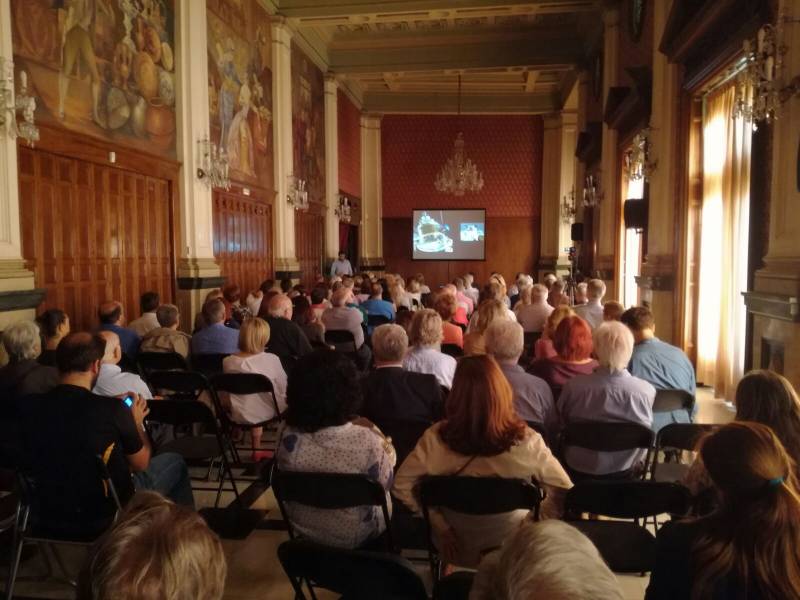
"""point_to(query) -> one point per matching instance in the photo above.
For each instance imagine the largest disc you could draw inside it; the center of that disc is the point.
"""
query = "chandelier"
(343, 210)
(591, 191)
(10, 105)
(757, 89)
(213, 169)
(568, 208)
(297, 193)
(459, 174)
(638, 165)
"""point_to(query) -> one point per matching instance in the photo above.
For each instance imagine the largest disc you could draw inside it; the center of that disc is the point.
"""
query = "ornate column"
(558, 173)
(607, 234)
(286, 264)
(331, 168)
(657, 281)
(18, 298)
(197, 271)
(371, 230)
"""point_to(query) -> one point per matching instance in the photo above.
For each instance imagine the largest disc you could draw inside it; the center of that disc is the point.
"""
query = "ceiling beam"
(426, 103)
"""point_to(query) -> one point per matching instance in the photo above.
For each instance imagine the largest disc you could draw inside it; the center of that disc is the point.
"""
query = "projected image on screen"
(449, 234)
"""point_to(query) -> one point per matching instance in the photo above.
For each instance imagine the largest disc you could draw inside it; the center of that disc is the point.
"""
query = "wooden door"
(93, 232)
(243, 238)
(310, 243)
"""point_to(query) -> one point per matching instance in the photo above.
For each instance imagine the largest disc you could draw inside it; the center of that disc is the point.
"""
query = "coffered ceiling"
(407, 55)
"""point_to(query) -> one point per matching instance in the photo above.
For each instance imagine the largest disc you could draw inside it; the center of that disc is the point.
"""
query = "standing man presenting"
(341, 266)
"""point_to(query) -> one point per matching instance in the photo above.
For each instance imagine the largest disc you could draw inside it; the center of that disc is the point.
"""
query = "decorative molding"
(21, 300)
(773, 306)
(477, 103)
(200, 283)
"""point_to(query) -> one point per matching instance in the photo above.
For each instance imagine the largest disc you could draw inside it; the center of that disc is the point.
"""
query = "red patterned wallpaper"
(506, 149)
(349, 146)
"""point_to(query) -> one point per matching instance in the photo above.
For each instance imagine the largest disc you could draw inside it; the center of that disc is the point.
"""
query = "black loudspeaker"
(577, 232)
(635, 212)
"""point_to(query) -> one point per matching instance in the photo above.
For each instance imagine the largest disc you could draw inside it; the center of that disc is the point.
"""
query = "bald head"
(113, 353)
(280, 306)
(111, 313)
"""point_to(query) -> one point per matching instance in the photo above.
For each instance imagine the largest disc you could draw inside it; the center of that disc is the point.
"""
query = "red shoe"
(260, 455)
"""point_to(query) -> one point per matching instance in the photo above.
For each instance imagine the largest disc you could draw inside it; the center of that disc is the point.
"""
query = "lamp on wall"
(591, 191)
(10, 105)
(297, 193)
(343, 209)
(568, 208)
(638, 165)
(213, 161)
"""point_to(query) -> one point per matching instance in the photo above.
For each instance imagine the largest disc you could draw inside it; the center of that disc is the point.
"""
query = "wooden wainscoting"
(93, 232)
(309, 232)
(243, 237)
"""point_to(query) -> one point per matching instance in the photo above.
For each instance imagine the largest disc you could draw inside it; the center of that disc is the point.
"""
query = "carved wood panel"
(242, 238)
(309, 234)
(92, 233)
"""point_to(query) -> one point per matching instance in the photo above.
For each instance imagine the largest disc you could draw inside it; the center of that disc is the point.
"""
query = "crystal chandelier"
(297, 193)
(757, 89)
(343, 210)
(637, 160)
(568, 208)
(459, 174)
(591, 192)
(10, 105)
(213, 169)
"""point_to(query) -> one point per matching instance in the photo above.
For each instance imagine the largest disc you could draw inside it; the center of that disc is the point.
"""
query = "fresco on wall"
(105, 68)
(308, 123)
(240, 88)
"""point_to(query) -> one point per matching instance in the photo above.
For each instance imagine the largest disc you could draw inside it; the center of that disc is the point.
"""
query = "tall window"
(632, 250)
(724, 237)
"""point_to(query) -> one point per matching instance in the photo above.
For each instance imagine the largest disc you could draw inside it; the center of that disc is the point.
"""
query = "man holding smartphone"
(60, 426)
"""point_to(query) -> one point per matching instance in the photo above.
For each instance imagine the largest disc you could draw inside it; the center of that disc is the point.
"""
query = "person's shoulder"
(680, 534)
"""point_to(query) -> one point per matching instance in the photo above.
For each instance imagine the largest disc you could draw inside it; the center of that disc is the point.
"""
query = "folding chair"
(330, 491)
(160, 361)
(606, 437)
(627, 547)
(680, 437)
(208, 364)
(343, 341)
(452, 350)
(404, 433)
(474, 496)
(353, 574)
(128, 364)
(242, 384)
(47, 514)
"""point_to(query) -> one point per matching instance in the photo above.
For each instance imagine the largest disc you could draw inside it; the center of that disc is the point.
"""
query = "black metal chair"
(242, 384)
(354, 574)
(474, 496)
(530, 339)
(672, 400)
(676, 437)
(404, 433)
(343, 341)
(160, 361)
(606, 437)
(330, 491)
(627, 547)
(208, 364)
(377, 320)
(453, 350)
(128, 364)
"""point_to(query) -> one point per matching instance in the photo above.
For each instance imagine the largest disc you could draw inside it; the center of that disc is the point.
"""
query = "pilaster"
(371, 230)
(331, 167)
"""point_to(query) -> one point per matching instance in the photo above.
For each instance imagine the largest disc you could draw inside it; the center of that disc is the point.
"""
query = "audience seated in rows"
(112, 318)
(497, 278)
(469, 289)
(425, 355)
(461, 297)
(546, 559)
(592, 311)
(663, 365)
(610, 394)
(488, 312)
(167, 337)
(573, 344)
(148, 304)
(460, 317)
(397, 291)
(306, 318)
(494, 290)
(23, 375)
(556, 295)
(251, 358)
(58, 427)
(747, 548)
(532, 309)
(544, 347)
(341, 317)
(533, 399)
(322, 437)
(155, 550)
(445, 305)
(286, 340)
(200, 318)
(612, 310)
(376, 305)
(481, 435)
(581, 293)
(111, 380)
(235, 311)
(53, 327)
(396, 400)
(215, 337)
(320, 300)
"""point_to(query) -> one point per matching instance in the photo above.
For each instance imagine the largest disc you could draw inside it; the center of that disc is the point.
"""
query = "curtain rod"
(725, 78)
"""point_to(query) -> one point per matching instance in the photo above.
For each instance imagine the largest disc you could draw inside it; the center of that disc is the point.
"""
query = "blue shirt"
(378, 307)
(215, 339)
(129, 340)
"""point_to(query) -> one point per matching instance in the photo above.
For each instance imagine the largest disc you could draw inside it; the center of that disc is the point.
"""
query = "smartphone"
(128, 400)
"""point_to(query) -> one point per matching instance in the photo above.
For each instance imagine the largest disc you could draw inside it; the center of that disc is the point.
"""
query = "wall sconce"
(343, 210)
(10, 105)
(591, 191)
(296, 193)
(213, 169)
(568, 208)
(637, 160)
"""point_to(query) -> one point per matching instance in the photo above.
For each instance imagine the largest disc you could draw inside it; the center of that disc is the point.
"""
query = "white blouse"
(256, 408)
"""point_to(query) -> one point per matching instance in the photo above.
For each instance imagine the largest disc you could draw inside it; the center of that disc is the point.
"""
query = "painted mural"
(105, 68)
(308, 123)
(240, 88)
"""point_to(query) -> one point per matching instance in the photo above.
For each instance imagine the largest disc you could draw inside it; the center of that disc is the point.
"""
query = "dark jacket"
(287, 341)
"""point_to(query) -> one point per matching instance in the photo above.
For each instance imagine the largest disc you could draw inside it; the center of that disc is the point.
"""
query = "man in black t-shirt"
(63, 429)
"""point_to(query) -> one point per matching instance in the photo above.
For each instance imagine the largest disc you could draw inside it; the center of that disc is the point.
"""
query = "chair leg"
(62, 567)
(18, 541)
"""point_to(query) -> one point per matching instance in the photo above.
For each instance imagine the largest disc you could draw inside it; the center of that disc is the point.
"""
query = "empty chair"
(354, 574)
(681, 437)
(627, 547)
(607, 437)
(160, 361)
(208, 364)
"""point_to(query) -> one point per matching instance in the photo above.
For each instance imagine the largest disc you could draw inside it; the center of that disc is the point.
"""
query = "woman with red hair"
(480, 436)
(572, 341)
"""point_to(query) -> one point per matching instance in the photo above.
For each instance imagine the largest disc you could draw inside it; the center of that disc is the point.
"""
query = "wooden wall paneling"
(310, 242)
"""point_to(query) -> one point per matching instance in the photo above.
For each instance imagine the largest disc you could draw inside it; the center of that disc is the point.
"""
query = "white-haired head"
(613, 345)
(504, 340)
(389, 344)
(21, 341)
(539, 294)
(545, 559)
(595, 289)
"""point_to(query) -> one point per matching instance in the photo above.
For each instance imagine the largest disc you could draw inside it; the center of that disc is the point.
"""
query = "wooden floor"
(253, 568)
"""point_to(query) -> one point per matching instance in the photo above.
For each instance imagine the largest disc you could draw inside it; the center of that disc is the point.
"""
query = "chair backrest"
(242, 384)
(683, 436)
(452, 350)
(670, 400)
(160, 361)
(478, 495)
(404, 433)
(208, 364)
(187, 385)
(182, 412)
(127, 364)
(607, 437)
(629, 499)
(342, 339)
(355, 574)
(377, 320)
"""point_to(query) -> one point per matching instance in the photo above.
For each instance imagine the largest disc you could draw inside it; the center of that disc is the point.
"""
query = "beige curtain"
(724, 241)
